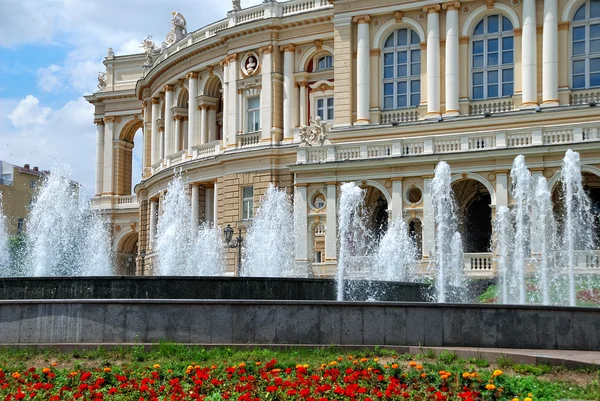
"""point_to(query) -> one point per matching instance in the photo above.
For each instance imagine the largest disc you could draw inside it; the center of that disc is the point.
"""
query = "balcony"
(448, 144)
(115, 203)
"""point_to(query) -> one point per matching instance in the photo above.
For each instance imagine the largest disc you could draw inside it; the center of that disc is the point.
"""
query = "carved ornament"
(362, 19)
(398, 16)
(315, 134)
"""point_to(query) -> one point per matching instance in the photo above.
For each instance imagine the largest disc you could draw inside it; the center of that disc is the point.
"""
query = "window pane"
(478, 47)
(508, 43)
(578, 81)
(415, 86)
(594, 9)
(402, 70)
(319, 103)
(402, 57)
(330, 102)
(492, 58)
(579, 33)
(388, 89)
(507, 89)
(595, 46)
(402, 37)
(580, 14)
(388, 102)
(594, 80)
(479, 29)
(478, 92)
(507, 75)
(493, 24)
(477, 61)
(415, 55)
(321, 65)
(415, 69)
(402, 101)
(507, 57)
(414, 38)
(492, 77)
(579, 67)
(402, 87)
(415, 100)
(330, 114)
(506, 25)
(594, 65)
(492, 90)
(578, 48)
(253, 103)
(388, 72)
(389, 41)
(388, 59)
(492, 45)
(478, 78)
(595, 31)
(248, 191)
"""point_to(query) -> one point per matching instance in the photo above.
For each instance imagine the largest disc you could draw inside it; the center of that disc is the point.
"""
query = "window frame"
(500, 67)
(326, 108)
(587, 56)
(328, 66)
(252, 113)
(247, 209)
(409, 79)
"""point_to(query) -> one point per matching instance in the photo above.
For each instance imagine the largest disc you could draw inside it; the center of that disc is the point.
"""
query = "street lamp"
(143, 256)
(228, 231)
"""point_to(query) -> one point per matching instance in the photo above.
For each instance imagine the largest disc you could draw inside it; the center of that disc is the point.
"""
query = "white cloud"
(48, 78)
(29, 113)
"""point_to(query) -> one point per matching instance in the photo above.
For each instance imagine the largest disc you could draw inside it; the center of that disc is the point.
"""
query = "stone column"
(428, 220)
(452, 59)
(161, 143)
(215, 203)
(212, 123)
(303, 103)
(331, 223)
(240, 116)
(288, 90)
(529, 55)
(99, 155)
(232, 101)
(203, 123)
(266, 92)
(301, 223)
(209, 206)
(169, 137)
(177, 137)
(343, 71)
(155, 157)
(397, 198)
(195, 207)
(363, 70)
(501, 190)
(433, 60)
(550, 55)
(225, 65)
(107, 187)
(153, 220)
(192, 111)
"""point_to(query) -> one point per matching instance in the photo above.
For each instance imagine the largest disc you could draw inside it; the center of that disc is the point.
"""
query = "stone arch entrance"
(126, 253)
(473, 201)
(130, 134)
(376, 212)
(212, 101)
(415, 230)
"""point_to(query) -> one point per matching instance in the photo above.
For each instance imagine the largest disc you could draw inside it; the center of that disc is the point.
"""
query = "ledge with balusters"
(442, 144)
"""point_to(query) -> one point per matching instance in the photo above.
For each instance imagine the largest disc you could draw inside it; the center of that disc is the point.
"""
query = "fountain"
(397, 259)
(521, 188)
(269, 248)
(504, 240)
(444, 215)
(4, 255)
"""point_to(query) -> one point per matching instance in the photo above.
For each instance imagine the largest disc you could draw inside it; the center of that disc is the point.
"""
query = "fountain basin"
(177, 287)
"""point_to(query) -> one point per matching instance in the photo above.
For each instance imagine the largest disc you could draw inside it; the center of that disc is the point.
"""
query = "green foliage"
(504, 362)
(537, 370)
(447, 357)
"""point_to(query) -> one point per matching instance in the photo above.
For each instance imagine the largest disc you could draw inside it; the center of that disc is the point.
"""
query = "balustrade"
(396, 116)
(519, 140)
(447, 145)
(491, 106)
(557, 137)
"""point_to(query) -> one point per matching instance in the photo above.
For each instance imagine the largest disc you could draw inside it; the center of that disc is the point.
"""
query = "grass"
(546, 382)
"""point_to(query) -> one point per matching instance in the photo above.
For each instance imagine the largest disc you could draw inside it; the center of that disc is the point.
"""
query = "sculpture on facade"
(178, 29)
(101, 80)
(316, 134)
(152, 51)
(110, 53)
(236, 5)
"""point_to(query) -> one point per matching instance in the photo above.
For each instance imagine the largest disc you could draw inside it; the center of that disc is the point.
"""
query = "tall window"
(247, 203)
(325, 108)
(32, 184)
(493, 58)
(253, 114)
(402, 70)
(586, 46)
(324, 63)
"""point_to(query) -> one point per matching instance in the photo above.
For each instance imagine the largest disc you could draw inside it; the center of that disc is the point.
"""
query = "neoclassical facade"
(400, 85)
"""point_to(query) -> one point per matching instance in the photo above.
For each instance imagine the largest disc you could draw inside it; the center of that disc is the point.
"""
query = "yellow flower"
(305, 366)
(355, 362)
(527, 399)
(395, 366)
(490, 387)
(375, 359)
(474, 374)
(332, 363)
(156, 366)
(466, 375)
(298, 366)
(107, 370)
(444, 377)
(418, 367)
(497, 373)
(515, 399)
(257, 363)
(242, 365)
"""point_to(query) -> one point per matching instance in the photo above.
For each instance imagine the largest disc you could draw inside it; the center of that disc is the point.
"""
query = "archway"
(127, 250)
(376, 213)
(129, 155)
(212, 100)
(473, 202)
(415, 230)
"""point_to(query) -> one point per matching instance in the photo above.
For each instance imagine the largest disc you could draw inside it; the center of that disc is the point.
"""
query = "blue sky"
(50, 54)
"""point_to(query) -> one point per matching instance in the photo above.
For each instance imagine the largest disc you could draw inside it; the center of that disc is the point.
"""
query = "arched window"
(325, 63)
(585, 38)
(402, 70)
(493, 58)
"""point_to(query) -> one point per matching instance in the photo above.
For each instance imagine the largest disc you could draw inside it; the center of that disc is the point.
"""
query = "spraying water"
(270, 242)
(521, 179)
(504, 240)
(205, 253)
(397, 259)
(350, 227)
(458, 279)
(4, 255)
(62, 239)
(578, 234)
(444, 214)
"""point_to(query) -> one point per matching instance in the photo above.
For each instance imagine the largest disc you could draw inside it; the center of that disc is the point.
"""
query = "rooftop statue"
(178, 29)
(236, 5)
(152, 51)
(101, 80)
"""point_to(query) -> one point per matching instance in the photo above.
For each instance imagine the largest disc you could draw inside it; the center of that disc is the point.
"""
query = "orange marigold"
(490, 387)
(107, 370)
(412, 363)
(46, 371)
(395, 366)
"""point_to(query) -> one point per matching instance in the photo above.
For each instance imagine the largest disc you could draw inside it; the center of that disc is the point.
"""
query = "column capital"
(423, 46)
(98, 121)
(212, 107)
(266, 49)
(168, 88)
(109, 119)
(432, 9)
(564, 26)
(287, 48)
(518, 32)
(192, 75)
(178, 117)
(464, 40)
(203, 106)
(302, 84)
(362, 19)
(240, 91)
(155, 100)
(375, 52)
(451, 5)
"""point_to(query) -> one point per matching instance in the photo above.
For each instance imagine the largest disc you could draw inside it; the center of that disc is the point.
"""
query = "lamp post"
(237, 244)
(143, 256)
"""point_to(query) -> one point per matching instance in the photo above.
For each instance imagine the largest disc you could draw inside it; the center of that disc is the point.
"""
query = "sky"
(50, 54)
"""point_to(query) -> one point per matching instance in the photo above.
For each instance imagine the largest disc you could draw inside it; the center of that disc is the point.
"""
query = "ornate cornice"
(287, 48)
(423, 45)
(319, 44)
(433, 8)
(302, 84)
(362, 19)
(109, 119)
(451, 5)
(518, 31)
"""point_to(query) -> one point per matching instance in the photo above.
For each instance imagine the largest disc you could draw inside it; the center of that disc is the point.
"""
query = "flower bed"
(347, 378)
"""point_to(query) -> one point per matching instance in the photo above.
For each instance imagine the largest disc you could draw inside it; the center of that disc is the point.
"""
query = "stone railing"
(156, 167)
(114, 202)
(206, 150)
(399, 116)
(444, 144)
(491, 106)
(245, 140)
(176, 158)
(479, 263)
(585, 97)
(126, 200)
